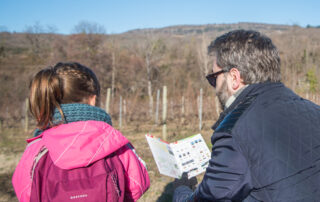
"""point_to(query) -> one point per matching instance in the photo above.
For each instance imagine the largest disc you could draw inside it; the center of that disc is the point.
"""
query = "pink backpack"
(103, 180)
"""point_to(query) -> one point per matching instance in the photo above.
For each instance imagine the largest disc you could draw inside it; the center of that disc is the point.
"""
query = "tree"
(152, 50)
(203, 57)
(87, 40)
(114, 55)
(35, 37)
(85, 27)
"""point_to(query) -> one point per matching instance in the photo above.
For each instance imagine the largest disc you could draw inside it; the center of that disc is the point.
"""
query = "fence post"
(108, 100)
(171, 109)
(182, 109)
(157, 107)
(120, 112)
(26, 117)
(200, 109)
(150, 99)
(124, 111)
(164, 113)
(182, 105)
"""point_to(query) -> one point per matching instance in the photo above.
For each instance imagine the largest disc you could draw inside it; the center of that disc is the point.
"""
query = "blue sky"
(118, 16)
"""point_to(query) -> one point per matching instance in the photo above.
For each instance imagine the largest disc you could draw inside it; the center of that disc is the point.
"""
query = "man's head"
(244, 57)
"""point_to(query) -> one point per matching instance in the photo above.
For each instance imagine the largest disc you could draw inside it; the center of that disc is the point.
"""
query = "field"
(13, 143)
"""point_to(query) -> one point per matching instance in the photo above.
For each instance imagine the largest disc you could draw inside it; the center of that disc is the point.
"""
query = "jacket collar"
(251, 90)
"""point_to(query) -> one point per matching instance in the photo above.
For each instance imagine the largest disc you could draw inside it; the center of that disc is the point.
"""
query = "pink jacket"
(79, 144)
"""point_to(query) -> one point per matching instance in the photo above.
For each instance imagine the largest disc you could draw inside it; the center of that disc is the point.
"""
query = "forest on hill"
(137, 63)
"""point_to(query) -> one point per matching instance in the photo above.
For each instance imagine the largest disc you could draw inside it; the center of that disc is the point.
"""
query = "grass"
(12, 144)
(6, 189)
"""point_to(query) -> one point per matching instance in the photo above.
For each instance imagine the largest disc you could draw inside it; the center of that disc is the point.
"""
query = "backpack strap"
(41, 153)
(112, 162)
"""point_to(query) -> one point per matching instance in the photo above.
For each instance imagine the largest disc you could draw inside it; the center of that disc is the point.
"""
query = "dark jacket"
(266, 147)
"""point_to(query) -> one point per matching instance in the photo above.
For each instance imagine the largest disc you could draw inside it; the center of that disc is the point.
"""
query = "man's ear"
(235, 80)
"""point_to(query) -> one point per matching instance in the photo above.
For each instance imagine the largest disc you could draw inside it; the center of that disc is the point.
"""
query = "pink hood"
(81, 143)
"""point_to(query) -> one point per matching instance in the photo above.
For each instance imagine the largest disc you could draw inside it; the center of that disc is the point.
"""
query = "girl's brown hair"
(64, 83)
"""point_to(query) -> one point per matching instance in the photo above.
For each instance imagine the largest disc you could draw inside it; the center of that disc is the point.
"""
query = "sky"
(119, 16)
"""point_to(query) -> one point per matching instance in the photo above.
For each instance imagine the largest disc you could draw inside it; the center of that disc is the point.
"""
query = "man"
(266, 144)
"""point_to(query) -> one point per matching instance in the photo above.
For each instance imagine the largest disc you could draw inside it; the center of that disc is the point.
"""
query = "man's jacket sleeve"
(227, 177)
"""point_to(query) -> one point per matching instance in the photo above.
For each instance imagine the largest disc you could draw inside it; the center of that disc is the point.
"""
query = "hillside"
(211, 28)
(176, 57)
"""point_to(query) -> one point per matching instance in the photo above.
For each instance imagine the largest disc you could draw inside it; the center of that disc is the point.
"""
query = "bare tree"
(203, 57)
(38, 42)
(88, 38)
(114, 53)
(34, 37)
(151, 51)
(85, 27)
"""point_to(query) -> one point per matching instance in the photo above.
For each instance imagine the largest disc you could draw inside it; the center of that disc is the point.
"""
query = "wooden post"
(120, 112)
(200, 109)
(171, 108)
(124, 111)
(182, 105)
(26, 117)
(150, 99)
(187, 106)
(108, 101)
(198, 104)
(157, 107)
(164, 113)
(182, 110)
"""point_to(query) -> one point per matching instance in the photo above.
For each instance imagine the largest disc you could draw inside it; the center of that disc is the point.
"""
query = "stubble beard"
(222, 95)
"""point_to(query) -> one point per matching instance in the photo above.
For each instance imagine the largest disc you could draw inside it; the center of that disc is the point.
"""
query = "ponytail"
(62, 84)
(45, 96)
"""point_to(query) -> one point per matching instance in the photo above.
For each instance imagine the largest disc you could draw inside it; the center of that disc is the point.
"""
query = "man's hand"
(191, 183)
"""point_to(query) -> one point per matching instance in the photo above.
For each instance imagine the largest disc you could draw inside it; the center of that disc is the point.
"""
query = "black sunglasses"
(212, 78)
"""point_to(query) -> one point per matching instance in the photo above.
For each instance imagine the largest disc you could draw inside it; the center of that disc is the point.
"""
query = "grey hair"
(252, 53)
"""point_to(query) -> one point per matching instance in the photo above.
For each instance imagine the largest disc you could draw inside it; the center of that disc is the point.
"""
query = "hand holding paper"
(190, 155)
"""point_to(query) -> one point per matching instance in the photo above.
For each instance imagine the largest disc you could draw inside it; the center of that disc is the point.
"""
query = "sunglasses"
(212, 78)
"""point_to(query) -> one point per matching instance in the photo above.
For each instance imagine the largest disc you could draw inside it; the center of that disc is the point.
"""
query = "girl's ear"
(92, 100)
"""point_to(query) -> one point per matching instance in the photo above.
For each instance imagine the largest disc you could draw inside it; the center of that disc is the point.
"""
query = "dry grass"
(161, 189)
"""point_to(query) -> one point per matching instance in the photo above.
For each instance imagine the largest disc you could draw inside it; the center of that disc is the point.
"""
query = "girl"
(75, 132)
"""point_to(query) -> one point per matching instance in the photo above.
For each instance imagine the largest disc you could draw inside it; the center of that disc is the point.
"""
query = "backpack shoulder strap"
(112, 162)
(41, 153)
